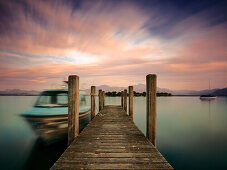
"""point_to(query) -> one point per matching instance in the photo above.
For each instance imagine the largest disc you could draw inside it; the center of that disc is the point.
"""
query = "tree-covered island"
(114, 93)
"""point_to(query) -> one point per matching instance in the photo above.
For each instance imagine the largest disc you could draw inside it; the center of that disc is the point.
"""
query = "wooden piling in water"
(93, 91)
(100, 100)
(103, 97)
(122, 99)
(125, 100)
(130, 94)
(151, 88)
(73, 108)
(112, 140)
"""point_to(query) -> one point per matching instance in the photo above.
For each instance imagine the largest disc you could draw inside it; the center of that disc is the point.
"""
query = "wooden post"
(130, 89)
(73, 108)
(103, 97)
(93, 89)
(151, 83)
(122, 99)
(125, 100)
(100, 100)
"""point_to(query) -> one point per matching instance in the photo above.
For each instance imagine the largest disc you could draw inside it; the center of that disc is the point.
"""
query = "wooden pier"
(112, 140)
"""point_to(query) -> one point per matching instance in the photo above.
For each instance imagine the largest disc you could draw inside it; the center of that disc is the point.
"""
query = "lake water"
(191, 134)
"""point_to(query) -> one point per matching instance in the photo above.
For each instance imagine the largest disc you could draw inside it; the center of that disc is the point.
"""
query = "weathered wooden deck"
(111, 141)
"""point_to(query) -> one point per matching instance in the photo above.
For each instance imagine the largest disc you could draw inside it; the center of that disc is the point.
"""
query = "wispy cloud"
(41, 42)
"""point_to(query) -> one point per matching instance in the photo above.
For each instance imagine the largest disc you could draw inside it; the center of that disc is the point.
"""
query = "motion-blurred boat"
(49, 116)
(208, 97)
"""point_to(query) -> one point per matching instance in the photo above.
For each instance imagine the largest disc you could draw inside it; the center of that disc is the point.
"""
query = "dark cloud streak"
(169, 13)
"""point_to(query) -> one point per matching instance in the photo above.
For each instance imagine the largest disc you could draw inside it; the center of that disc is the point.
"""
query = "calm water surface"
(191, 134)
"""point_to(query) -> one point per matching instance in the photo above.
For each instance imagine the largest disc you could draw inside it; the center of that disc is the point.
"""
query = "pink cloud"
(108, 44)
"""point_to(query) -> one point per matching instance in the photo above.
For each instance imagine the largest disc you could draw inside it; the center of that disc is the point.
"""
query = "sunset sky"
(115, 43)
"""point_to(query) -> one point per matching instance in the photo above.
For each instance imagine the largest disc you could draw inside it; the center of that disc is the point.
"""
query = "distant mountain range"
(138, 88)
(142, 87)
(220, 92)
(18, 92)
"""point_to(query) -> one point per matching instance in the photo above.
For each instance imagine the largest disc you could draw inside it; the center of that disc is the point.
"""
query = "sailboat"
(208, 96)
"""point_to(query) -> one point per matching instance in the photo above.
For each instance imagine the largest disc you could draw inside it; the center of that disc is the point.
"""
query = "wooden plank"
(111, 141)
(113, 150)
(68, 165)
(109, 146)
(114, 160)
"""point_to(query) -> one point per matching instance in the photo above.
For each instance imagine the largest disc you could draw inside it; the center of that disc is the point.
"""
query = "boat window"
(57, 99)
(62, 99)
(52, 99)
(82, 100)
(43, 100)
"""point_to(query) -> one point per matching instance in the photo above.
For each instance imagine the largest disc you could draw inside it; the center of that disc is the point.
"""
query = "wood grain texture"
(111, 141)
(122, 100)
(125, 100)
(130, 94)
(100, 100)
(93, 90)
(151, 85)
(103, 98)
(73, 108)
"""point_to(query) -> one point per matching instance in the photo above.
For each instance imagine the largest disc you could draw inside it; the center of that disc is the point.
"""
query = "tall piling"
(130, 89)
(93, 91)
(103, 97)
(125, 100)
(73, 108)
(100, 100)
(122, 99)
(151, 88)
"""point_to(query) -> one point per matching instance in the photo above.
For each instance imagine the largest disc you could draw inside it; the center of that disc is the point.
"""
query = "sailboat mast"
(209, 88)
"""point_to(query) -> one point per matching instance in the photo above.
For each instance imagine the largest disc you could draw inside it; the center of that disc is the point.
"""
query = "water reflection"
(207, 104)
(17, 138)
(191, 133)
(37, 141)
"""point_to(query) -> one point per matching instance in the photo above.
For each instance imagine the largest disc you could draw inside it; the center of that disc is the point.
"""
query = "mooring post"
(125, 100)
(73, 108)
(130, 89)
(122, 99)
(100, 99)
(151, 83)
(93, 89)
(103, 96)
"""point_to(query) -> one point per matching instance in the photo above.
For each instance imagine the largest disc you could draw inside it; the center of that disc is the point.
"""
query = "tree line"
(114, 93)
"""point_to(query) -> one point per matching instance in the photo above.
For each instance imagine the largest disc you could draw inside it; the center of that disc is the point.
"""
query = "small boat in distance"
(207, 97)
(49, 116)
